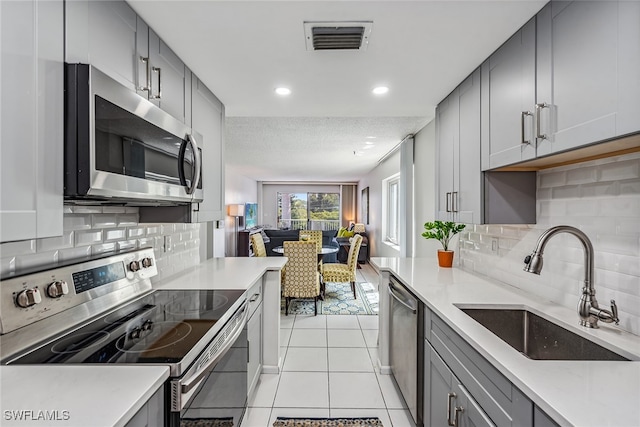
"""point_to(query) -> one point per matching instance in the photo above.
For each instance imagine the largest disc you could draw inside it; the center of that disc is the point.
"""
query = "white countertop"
(79, 396)
(589, 393)
(223, 273)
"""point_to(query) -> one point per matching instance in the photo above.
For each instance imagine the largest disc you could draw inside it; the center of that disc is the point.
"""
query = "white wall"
(238, 190)
(602, 198)
(424, 189)
(373, 180)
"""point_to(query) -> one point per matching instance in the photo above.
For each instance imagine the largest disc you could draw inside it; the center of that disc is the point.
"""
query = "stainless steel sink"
(537, 338)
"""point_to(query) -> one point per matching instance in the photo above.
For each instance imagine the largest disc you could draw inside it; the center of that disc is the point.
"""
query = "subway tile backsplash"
(600, 197)
(92, 230)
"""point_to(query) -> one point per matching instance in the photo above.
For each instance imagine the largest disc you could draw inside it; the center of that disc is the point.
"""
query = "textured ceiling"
(242, 50)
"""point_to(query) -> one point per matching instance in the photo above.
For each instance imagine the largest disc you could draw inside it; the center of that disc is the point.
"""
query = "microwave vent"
(337, 35)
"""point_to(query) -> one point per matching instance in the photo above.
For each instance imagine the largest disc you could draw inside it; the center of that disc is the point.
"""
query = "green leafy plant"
(442, 231)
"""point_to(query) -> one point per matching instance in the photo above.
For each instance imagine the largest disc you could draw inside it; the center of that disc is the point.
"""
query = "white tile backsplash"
(602, 198)
(91, 230)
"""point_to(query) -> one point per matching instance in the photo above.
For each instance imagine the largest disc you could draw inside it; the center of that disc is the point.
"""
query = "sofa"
(343, 253)
(278, 237)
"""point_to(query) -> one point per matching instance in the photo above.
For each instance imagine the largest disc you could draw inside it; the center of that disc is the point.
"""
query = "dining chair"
(345, 272)
(313, 236)
(302, 279)
(258, 244)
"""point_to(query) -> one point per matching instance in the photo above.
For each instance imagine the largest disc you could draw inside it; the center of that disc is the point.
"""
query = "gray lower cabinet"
(588, 63)
(151, 414)
(31, 113)
(460, 383)
(254, 334)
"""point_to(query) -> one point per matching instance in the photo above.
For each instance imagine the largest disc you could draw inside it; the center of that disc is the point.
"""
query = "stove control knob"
(28, 297)
(134, 266)
(147, 325)
(57, 289)
(147, 262)
(135, 333)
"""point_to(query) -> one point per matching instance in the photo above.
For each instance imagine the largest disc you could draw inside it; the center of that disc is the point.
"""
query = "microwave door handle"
(181, 155)
(197, 170)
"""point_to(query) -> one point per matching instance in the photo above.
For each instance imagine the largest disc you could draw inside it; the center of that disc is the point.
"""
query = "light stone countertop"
(580, 393)
(76, 396)
(223, 273)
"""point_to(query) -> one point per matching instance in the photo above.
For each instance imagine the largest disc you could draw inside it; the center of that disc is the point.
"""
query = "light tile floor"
(328, 371)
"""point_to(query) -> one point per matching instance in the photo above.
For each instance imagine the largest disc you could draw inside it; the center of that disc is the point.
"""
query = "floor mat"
(339, 300)
(327, 422)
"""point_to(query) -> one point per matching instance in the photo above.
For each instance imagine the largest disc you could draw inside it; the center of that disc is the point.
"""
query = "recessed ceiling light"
(368, 147)
(371, 137)
(380, 90)
(283, 91)
(369, 142)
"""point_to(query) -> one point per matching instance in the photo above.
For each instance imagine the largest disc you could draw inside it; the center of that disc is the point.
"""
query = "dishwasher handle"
(394, 293)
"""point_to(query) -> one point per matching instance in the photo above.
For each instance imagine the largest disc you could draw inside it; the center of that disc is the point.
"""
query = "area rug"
(327, 422)
(338, 299)
(207, 422)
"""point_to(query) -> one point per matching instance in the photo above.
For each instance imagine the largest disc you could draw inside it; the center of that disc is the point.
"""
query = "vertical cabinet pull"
(159, 71)
(147, 73)
(539, 107)
(456, 418)
(523, 115)
(448, 201)
(450, 397)
(454, 201)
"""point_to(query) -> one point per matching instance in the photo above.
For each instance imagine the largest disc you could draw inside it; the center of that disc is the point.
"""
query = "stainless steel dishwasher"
(406, 330)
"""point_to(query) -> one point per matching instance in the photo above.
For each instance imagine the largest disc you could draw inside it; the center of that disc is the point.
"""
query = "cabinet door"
(438, 381)
(31, 113)
(469, 412)
(447, 145)
(628, 121)
(508, 101)
(103, 33)
(580, 65)
(208, 121)
(467, 198)
(167, 78)
(254, 331)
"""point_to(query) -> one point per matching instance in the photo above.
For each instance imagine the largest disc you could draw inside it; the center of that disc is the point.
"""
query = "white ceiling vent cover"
(337, 35)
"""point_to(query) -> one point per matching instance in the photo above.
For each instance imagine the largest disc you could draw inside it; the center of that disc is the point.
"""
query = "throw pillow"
(348, 234)
(341, 232)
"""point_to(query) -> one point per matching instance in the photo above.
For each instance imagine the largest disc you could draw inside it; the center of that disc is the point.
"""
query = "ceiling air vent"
(337, 35)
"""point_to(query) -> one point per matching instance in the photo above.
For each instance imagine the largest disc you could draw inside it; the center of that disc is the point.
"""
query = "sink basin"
(537, 338)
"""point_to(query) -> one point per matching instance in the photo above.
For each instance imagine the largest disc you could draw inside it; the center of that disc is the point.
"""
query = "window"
(311, 211)
(392, 202)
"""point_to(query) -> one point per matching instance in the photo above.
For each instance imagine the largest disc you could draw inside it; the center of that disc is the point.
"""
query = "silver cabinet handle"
(254, 298)
(450, 397)
(538, 108)
(196, 165)
(523, 115)
(454, 201)
(159, 71)
(456, 418)
(448, 201)
(147, 73)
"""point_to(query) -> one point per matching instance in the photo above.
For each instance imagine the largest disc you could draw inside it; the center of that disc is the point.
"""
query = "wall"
(238, 190)
(600, 197)
(373, 180)
(94, 230)
(424, 189)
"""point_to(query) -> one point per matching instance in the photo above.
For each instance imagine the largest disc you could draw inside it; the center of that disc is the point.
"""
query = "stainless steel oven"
(120, 147)
(75, 314)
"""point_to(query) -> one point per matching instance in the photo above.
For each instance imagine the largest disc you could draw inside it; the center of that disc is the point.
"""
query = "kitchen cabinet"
(508, 100)
(456, 372)
(458, 134)
(254, 334)
(31, 113)
(151, 414)
(110, 36)
(588, 63)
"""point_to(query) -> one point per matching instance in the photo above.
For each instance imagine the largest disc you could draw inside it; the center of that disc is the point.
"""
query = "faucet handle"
(527, 259)
(614, 311)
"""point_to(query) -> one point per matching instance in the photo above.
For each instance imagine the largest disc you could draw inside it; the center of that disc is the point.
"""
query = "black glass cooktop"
(162, 327)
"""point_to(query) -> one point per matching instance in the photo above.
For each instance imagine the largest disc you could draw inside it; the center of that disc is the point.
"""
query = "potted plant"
(443, 231)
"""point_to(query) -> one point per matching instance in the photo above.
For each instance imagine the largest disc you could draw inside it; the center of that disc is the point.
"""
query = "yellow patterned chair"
(345, 272)
(313, 236)
(302, 279)
(258, 244)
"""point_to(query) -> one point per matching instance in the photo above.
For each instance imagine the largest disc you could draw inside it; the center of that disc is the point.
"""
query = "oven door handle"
(187, 384)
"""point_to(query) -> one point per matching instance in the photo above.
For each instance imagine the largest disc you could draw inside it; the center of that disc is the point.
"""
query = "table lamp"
(235, 211)
(359, 228)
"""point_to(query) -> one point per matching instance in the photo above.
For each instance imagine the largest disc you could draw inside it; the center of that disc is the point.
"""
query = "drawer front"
(254, 295)
(504, 404)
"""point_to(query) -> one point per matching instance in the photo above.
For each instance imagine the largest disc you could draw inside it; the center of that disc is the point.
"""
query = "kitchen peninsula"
(581, 393)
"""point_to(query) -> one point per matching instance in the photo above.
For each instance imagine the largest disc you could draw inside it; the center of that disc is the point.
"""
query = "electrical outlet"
(494, 244)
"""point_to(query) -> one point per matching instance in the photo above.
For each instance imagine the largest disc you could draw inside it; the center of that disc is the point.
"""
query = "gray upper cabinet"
(31, 113)
(588, 63)
(458, 134)
(508, 98)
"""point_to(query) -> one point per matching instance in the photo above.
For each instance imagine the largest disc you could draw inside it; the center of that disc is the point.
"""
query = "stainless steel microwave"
(121, 148)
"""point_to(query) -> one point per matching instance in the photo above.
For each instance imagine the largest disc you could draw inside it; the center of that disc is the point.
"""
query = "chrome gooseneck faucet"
(588, 309)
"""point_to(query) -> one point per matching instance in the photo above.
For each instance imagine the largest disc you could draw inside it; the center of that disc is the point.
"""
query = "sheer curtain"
(348, 200)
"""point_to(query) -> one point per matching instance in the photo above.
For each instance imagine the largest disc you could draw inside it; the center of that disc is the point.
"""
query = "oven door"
(215, 386)
(119, 146)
